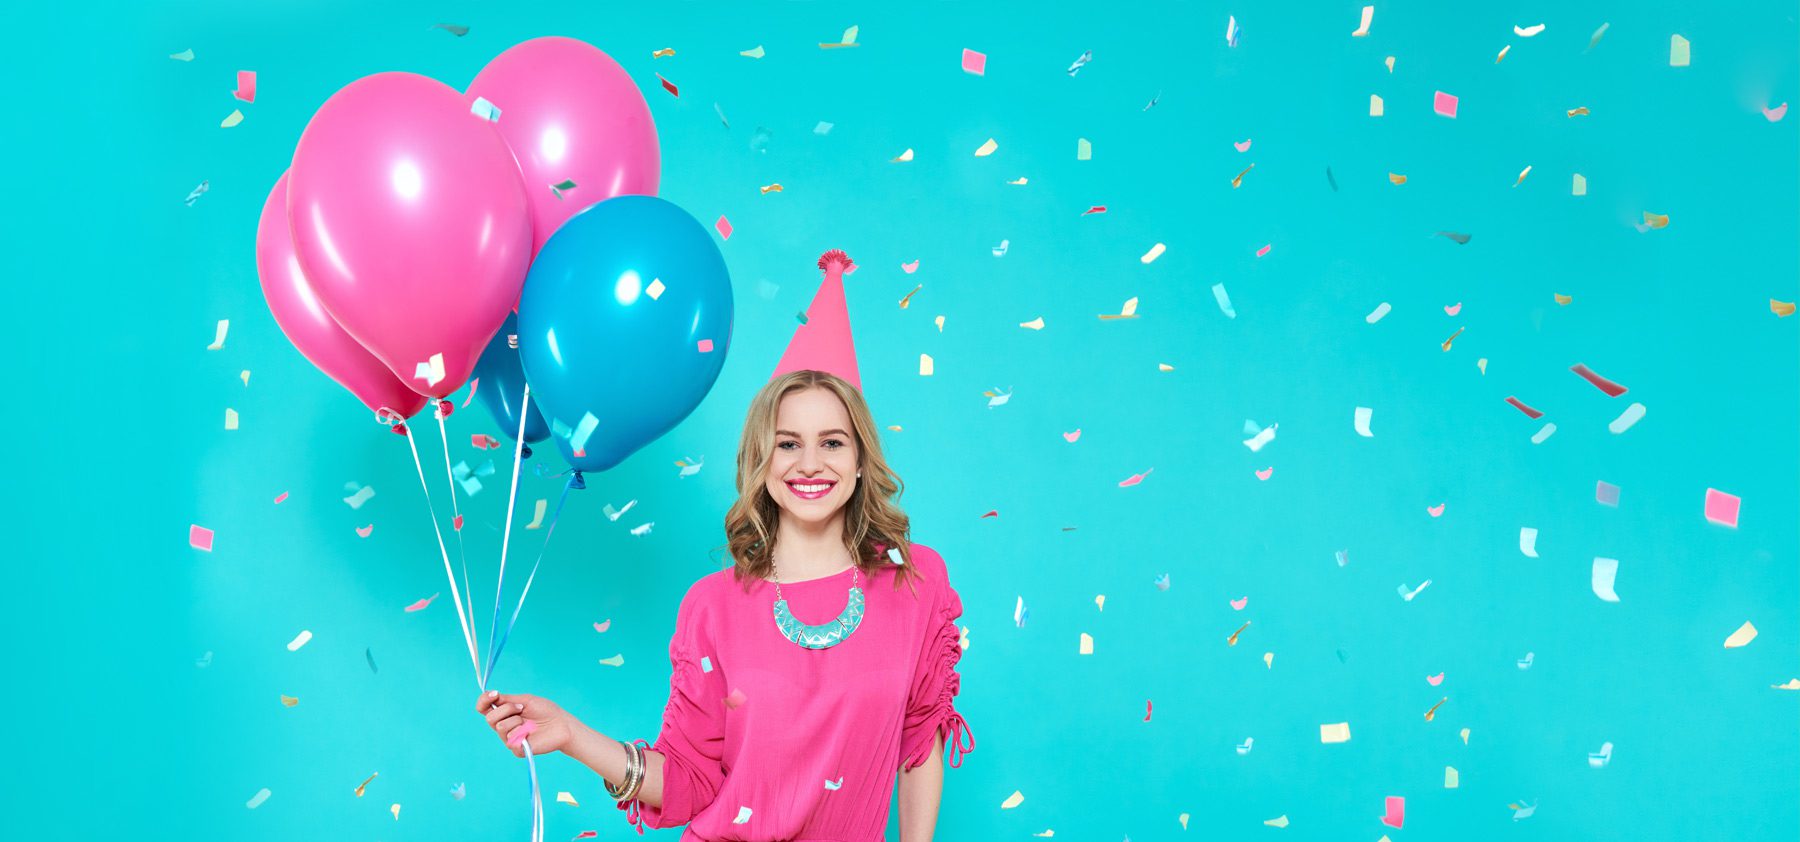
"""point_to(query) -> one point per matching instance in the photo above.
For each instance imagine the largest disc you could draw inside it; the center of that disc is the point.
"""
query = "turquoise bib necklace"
(824, 635)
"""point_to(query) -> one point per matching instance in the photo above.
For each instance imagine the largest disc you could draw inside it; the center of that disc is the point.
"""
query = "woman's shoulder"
(928, 563)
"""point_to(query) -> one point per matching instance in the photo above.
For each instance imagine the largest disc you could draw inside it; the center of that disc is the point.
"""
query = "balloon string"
(575, 481)
(537, 799)
(506, 537)
(461, 554)
(461, 618)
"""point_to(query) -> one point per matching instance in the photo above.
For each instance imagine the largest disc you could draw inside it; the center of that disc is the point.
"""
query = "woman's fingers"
(503, 710)
(486, 701)
(505, 726)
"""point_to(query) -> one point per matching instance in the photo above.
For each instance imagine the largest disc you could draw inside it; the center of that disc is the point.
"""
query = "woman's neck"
(804, 551)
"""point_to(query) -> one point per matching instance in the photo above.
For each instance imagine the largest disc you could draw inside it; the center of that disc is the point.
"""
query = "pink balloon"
(309, 327)
(570, 113)
(410, 221)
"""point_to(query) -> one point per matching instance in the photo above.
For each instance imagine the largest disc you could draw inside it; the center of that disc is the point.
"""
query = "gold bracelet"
(639, 767)
(618, 792)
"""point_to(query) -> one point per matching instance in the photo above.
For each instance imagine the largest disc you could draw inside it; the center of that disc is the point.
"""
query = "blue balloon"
(623, 326)
(500, 384)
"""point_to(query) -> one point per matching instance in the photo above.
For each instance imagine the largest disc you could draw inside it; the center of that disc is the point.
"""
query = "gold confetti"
(1656, 220)
(1020, 181)
(666, 51)
(1013, 800)
(1232, 640)
(1396, 178)
(925, 366)
(1034, 324)
(1451, 779)
(1375, 105)
(244, 376)
(894, 427)
(940, 323)
(1503, 52)
(1151, 255)
(1578, 112)
(1432, 714)
(1562, 299)
(614, 661)
(908, 299)
(1128, 312)
(987, 148)
(231, 418)
(754, 52)
(365, 784)
(1781, 308)
(1269, 660)
(771, 188)
(395, 809)
(904, 156)
(1278, 821)
(1453, 338)
(1522, 174)
(1164, 367)
(655, 289)
(1482, 364)
(1183, 818)
(1086, 646)
(1741, 637)
(1239, 180)
(1390, 64)
(290, 701)
(1465, 736)
(566, 798)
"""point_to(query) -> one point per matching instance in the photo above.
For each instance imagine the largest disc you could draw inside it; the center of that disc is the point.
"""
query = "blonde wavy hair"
(872, 516)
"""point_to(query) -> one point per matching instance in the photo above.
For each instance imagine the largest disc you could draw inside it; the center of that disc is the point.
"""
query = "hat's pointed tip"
(839, 258)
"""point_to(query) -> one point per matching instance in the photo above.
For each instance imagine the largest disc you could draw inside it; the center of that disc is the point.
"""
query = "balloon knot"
(524, 451)
(399, 429)
(838, 257)
(445, 408)
(576, 482)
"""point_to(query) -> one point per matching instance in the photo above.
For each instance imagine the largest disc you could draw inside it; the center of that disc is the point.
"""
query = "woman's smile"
(807, 489)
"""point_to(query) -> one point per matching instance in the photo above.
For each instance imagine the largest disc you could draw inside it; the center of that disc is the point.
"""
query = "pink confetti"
(1265, 473)
(1147, 710)
(1396, 812)
(1134, 479)
(1520, 406)
(736, 699)
(668, 86)
(1775, 114)
(991, 513)
(201, 538)
(1093, 210)
(420, 605)
(1611, 389)
(1435, 510)
(246, 89)
(1239, 603)
(1453, 309)
(910, 268)
(473, 385)
(483, 441)
(1264, 250)
(363, 531)
(1242, 147)
(603, 626)
(706, 346)
(280, 497)
(1071, 437)
(519, 734)
(1444, 104)
(1722, 508)
(724, 226)
(457, 522)
(974, 62)
(586, 834)
(1434, 680)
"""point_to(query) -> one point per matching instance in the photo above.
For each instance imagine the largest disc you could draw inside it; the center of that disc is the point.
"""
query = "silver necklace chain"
(777, 576)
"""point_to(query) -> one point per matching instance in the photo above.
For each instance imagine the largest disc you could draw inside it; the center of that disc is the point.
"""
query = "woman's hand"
(505, 712)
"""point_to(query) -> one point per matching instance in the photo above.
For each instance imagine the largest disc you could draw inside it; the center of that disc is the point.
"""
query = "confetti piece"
(1432, 714)
(753, 52)
(974, 62)
(289, 701)
(1452, 338)
(1396, 178)
(1239, 603)
(1380, 311)
(1242, 147)
(1084, 151)
(431, 371)
(1522, 407)
(485, 110)
(1503, 51)
(231, 418)
(232, 119)
(1528, 541)
(1678, 51)
(1153, 101)
(1655, 220)
(1444, 104)
(1407, 594)
(200, 538)
(369, 655)
(558, 188)
(1611, 389)
(1434, 680)
(1150, 256)
(1390, 64)
(1396, 812)
(1368, 16)
(1792, 684)
(987, 148)
(184, 55)
(1161, 582)
(1238, 180)
(925, 365)
(196, 193)
(614, 661)
(1722, 508)
(1134, 479)
(1183, 818)
(1233, 639)
(940, 323)
(564, 797)
(849, 40)
(1224, 300)
(1021, 181)
(823, 128)
(1265, 473)
(706, 346)
(1244, 748)
(219, 335)
(246, 86)
(1435, 511)
(1742, 636)
(420, 605)
(1262, 437)
(1080, 62)
(1376, 106)
(362, 787)
(483, 441)
(1343, 558)
(833, 786)
(1775, 114)
(362, 495)
(1522, 174)
(1278, 821)
(706, 663)
(736, 699)
(1606, 571)
(904, 156)
(1528, 31)
(1034, 324)
(1601, 758)
(453, 29)
(586, 834)
(1361, 421)
(1579, 112)
(1626, 419)
(395, 809)
(1595, 38)
(1013, 800)
(669, 86)
(1330, 180)
(1579, 186)
(299, 640)
(257, 799)
(663, 53)
(1562, 299)
(1264, 250)
(1086, 646)
(1453, 309)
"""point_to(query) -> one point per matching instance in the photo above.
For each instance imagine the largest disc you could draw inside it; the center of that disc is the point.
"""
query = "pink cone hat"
(823, 342)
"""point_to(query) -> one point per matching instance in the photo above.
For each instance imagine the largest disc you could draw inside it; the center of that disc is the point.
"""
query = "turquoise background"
(115, 412)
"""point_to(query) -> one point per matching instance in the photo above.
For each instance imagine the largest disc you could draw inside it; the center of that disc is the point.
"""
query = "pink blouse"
(804, 744)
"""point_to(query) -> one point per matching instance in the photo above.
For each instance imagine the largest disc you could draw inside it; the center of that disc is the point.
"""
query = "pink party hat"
(823, 342)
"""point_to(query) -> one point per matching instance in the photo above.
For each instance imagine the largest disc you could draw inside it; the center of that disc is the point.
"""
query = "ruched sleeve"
(931, 714)
(692, 741)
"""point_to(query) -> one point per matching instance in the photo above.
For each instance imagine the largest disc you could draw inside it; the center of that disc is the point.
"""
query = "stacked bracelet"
(634, 774)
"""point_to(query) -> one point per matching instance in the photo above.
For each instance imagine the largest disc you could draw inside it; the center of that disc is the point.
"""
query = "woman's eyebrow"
(797, 435)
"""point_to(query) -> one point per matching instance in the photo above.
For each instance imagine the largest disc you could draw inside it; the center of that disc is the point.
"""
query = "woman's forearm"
(607, 758)
(921, 791)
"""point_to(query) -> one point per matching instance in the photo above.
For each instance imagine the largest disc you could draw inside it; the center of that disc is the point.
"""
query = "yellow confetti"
(365, 784)
(1046, 834)
(1084, 151)
(1375, 105)
(1742, 636)
(1034, 324)
(1239, 180)
(904, 156)
(1579, 186)
(754, 52)
(1678, 51)
(655, 289)
(1269, 660)
(1482, 364)
(1390, 64)
(395, 809)
(244, 376)
(1334, 732)
(231, 418)
(1100, 602)
(1278, 821)
(1528, 31)
(894, 427)
(1232, 640)
(666, 51)
(1087, 644)
(1781, 308)
(1164, 367)
(1792, 684)
(290, 701)
(1396, 178)
(614, 661)
(1013, 800)
(1432, 714)
(1465, 736)
(904, 302)
(1503, 51)
(1151, 255)
(1020, 181)
(1522, 174)
(1451, 778)
(566, 798)
(1656, 220)
(925, 366)
(987, 148)
(1578, 112)
(1452, 338)
(1183, 818)
(1129, 311)
(1562, 299)
(849, 40)
(771, 188)
(940, 323)
(232, 119)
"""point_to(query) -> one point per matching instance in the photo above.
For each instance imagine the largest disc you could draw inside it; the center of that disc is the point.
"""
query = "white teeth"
(809, 489)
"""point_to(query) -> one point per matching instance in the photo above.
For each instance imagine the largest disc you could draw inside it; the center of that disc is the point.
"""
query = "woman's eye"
(834, 441)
